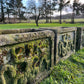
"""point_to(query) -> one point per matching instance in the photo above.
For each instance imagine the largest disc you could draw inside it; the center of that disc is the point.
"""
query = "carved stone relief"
(20, 63)
(65, 45)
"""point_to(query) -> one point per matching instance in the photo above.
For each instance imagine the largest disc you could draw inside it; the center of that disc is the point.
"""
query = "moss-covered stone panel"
(21, 63)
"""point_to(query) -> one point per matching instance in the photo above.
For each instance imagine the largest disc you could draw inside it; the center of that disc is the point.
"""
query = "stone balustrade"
(27, 55)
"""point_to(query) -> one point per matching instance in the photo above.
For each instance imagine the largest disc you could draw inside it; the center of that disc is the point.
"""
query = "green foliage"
(70, 71)
(49, 80)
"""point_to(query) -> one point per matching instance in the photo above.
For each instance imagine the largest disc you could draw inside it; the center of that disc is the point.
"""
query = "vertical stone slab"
(65, 42)
(26, 57)
(80, 38)
(54, 29)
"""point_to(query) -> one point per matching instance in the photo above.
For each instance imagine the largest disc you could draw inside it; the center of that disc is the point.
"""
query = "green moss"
(28, 59)
(8, 72)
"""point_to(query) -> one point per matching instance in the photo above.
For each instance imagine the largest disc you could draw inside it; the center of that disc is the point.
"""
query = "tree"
(19, 6)
(8, 13)
(47, 8)
(32, 7)
(76, 9)
(52, 5)
(15, 7)
(12, 7)
(36, 10)
(82, 9)
(8, 9)
(2, 11)
(62, 4)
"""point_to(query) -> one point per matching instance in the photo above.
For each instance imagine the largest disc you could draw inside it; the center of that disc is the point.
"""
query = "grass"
(18, 26)
(70, 71)
(33, 25)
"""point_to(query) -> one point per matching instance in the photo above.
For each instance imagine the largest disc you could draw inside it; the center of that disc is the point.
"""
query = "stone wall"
(27, 55)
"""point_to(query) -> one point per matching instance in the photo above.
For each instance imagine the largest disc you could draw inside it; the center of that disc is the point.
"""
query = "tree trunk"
(14, 16)
(19, 16)
(2, 12)
(50, 11)
(37, 23)
(72, 20)
(37, 19)
(60, 17)
(50, 15)
(8, 18)
(8, 11)
(46, 17)
(14, 19)
(50, 18)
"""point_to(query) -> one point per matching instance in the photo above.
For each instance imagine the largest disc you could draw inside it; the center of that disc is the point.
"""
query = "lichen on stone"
(27, 60)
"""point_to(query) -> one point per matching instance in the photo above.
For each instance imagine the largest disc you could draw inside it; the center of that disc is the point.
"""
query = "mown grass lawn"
(33, 25)
(70, 71)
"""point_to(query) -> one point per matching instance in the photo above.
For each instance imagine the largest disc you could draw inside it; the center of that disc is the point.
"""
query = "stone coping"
(59, 29)
(23, 37)
(13, 31)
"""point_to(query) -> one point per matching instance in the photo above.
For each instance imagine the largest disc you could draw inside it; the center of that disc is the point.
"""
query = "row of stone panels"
(67, 41)
(27, 55)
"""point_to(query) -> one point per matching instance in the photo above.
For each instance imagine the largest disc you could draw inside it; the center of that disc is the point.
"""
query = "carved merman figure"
(65, 45)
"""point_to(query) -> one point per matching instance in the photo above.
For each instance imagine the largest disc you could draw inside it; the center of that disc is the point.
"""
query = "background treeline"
(13, 11)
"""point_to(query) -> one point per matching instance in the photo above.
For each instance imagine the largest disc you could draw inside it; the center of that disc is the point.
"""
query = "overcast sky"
(57, 13)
